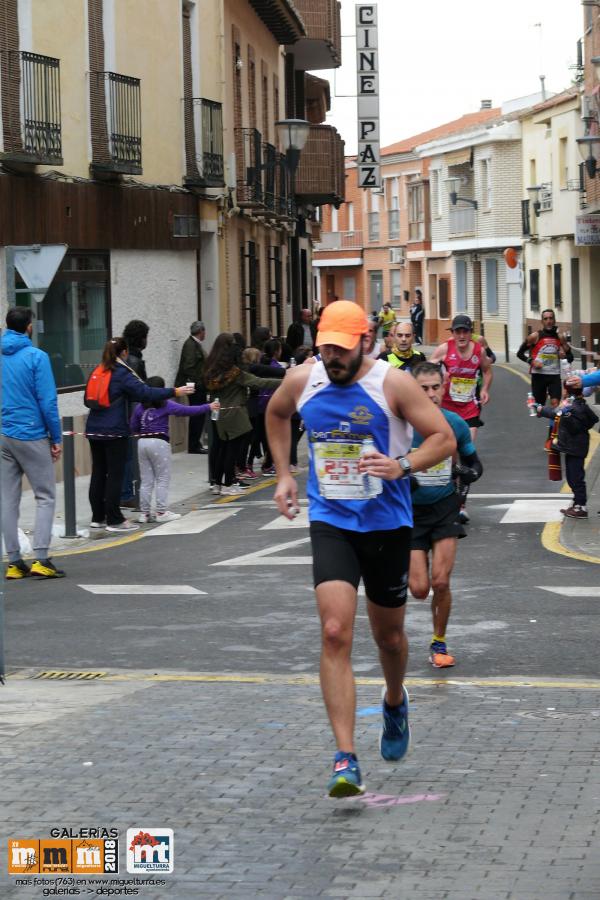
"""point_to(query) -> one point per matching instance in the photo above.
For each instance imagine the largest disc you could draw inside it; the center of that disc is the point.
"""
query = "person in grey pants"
(31, 443)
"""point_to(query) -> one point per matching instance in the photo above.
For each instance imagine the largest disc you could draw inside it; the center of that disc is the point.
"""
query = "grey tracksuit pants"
(154, 458)
(33, 459)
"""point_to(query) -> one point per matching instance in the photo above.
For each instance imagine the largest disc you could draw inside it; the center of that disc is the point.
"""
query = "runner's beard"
(343, 373)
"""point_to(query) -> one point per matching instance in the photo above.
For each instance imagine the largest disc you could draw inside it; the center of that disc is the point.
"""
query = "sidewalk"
(189, 486)
(497, 801)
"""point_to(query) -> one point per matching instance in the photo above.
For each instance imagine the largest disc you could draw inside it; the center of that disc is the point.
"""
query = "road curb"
(565, 537)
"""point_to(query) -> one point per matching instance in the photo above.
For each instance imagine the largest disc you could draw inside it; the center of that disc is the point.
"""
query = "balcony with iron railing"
(248, 158)
(203, 122)
(462, 220)
(118, 145)
(321, 172)
(31, 108)
(340, 240)
(322, 46)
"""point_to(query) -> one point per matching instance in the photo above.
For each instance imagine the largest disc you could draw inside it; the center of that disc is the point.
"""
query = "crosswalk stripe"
(301, 521)
(569, 591)
(529, 511)
(264, 557)
(140, 589)
(194, 522)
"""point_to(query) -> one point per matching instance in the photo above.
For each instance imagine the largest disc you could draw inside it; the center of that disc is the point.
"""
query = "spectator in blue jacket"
(107, 430)
(31, 442)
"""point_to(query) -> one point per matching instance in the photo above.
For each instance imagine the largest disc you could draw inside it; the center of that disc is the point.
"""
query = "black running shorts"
(545, 384)
(474, 422)
(380, 558)
(435, 521)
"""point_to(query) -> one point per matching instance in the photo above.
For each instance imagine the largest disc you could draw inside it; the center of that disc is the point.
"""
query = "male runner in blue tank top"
(360, 513)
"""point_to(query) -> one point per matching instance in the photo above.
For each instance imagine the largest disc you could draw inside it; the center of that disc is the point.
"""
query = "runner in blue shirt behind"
(358, 414)
(436, 506)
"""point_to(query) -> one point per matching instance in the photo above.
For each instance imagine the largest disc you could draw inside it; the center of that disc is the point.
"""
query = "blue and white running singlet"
(338, 419)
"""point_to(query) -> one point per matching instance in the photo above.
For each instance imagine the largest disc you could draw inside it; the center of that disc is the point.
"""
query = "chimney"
(486, 104)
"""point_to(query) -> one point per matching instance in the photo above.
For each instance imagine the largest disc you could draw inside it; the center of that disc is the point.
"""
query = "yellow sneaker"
(17, 569)
(46, 569)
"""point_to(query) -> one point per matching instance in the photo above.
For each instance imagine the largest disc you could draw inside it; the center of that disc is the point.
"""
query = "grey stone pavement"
(499, 798)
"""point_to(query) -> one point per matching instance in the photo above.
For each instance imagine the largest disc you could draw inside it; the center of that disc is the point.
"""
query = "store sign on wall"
(587, 230)
(367, 90)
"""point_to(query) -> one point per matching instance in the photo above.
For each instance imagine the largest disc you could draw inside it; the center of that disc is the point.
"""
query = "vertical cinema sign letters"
(367, 89)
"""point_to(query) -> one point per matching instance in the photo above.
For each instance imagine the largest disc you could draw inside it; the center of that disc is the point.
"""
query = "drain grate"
(69, 676)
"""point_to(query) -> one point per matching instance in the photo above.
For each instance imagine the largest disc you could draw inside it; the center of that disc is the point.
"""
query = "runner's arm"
(439, 353)
(280, 409)
(410, 403)
(487, 374)
(524, 351)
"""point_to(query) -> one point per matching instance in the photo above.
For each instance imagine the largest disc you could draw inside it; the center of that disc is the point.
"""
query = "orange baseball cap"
(343, 323)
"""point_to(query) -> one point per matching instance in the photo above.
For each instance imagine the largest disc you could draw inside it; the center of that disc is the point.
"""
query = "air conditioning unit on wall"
(397, 256)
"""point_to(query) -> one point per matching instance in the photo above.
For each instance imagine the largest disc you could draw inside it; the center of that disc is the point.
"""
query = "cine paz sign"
(367, 91)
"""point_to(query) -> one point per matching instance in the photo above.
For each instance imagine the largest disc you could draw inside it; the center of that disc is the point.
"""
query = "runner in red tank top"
(463, 359)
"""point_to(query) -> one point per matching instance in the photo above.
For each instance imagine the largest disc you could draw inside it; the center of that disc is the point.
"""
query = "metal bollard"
(583, 355)
(506, 351)
(69, 478)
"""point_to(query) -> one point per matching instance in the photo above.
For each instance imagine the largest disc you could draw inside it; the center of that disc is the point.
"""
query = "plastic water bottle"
(531, 404)
(292, 362)
(215, 413)
(371, 484)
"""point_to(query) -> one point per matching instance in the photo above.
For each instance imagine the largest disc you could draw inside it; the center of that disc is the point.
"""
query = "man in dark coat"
(191, 368)
(302, 333)
(417, 316)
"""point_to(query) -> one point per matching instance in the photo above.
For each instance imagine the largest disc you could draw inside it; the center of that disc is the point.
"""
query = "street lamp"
(586, 148)
(454, 184)
(292, 135)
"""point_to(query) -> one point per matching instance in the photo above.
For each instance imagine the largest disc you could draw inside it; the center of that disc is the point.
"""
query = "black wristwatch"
(404, 465)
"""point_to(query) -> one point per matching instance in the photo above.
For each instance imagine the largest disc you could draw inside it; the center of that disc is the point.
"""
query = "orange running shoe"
(439, 656)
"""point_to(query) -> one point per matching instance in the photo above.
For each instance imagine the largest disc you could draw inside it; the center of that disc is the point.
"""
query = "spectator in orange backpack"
(107, 430)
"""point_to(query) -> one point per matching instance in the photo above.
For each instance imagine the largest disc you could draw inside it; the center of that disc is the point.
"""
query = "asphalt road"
(261, 617)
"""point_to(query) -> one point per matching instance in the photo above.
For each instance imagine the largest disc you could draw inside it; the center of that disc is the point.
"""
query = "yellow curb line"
(551, 533)
(313, 680)
(251, 490)
(118, 543)
(507, 368)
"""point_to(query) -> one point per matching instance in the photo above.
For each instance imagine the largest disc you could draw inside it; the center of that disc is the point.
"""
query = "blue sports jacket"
(29, 404)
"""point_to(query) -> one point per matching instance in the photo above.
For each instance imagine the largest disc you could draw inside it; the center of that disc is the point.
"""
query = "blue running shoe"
(394, 740)
(345, 780)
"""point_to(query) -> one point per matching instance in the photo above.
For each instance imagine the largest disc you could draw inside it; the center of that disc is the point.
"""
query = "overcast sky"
(439, 59)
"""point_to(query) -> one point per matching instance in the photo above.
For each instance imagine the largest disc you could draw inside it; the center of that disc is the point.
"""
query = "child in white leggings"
(151, 422)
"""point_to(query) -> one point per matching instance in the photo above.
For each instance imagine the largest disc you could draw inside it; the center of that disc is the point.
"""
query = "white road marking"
(264, 557)
(528, 511)
(541, 496)
(194, 522)
(301, 521)
(140, 589)
(572, 591)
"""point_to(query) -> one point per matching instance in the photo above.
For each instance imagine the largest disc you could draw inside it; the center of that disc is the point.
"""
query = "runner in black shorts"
(437, 527)
(342, 555)
(357, 413)
(543, 351)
